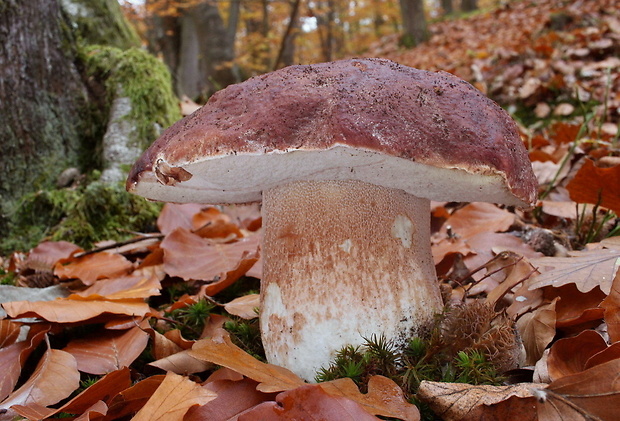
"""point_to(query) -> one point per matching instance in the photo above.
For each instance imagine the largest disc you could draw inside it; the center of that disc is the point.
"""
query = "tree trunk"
(197, 46)
(469, 5)
(447, 7)
(43, 106)
(414, 22)
(286, 53)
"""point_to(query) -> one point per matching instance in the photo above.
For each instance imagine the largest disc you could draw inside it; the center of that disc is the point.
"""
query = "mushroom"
(346, 157)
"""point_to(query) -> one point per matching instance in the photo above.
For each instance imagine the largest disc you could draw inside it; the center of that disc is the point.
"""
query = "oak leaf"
(464, 402)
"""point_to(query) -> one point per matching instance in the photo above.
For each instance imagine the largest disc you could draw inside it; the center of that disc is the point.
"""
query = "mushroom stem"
(343, 260)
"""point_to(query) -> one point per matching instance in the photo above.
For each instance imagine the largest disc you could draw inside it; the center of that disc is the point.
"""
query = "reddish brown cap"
(430, 134)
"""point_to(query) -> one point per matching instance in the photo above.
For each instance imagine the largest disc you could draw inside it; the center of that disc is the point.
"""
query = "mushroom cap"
(430, 134)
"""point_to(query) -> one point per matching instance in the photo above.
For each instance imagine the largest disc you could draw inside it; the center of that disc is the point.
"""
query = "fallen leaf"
(384, 397)
(244, 307)
(308, 402)
(108, 351)
(583, 396)
(181, 363)
(14, 356)
(9, 332)
(248, 259)
(91, 267)
(221, 351)
(173, 398)
(45, 255)
(211, 223)
(537, 329)
(10, 293)
(103, 390)
(74, 308)
(479, 217)
(611, 306)
(188, 256)
(575, 307)
(594, 185)
(569, 355)
(136, 285)
(586, 269)
(173, 216)
(54, 379)
(464, 402)
(132, 399)
(233, 397)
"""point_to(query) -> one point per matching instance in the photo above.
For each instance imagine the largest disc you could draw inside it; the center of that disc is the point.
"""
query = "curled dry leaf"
(537, 330)
(308, 402)
(173, 398)
(188, 256)
(575, 307)
(92, 267)
(465, 402)
(101, 391)
(48, 253)
(108, 351)
(211, 223)
(592, 394)
(9, 332)
(220, 350)
(611, 305)
(75, 308)
(248, 259)
(244, 307)
(479, 217)
(569, 355)
(384, 397)
(132, 399)
(233, 398)
(594, 185)
(54, 379)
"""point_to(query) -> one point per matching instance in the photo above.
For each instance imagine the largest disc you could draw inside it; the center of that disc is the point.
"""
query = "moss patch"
(83, 215)
(143, 79)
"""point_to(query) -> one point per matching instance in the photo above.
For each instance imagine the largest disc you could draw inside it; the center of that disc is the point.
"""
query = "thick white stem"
(343, 260)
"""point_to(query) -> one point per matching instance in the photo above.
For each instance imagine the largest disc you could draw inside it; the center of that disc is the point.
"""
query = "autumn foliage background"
(163, 326)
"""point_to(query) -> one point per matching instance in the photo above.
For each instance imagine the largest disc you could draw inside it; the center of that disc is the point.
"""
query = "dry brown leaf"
(211, 223)
(188, 256)
(173, 398)
(182, 363)
(74, 308)
(54, 379)
(107, 351)
(233, 397)
(173, 216)
(593, 394)
(306, 403)
(92, 267)
(14, 356)
(48, 253)
(586, 269)
(479, 217)
(9, 332)
(537, 330)
(611, 305)
(103, 390)
(612, 352)
(569, 355)
(136, 285)
(594, 185)
(244, 307)
(248, 259)
(464, 402)
(132, 399)
(384, 397)
(574, 307)
(220, 350)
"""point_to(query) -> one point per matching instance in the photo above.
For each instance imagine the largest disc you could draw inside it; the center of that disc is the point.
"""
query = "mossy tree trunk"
(43, 98)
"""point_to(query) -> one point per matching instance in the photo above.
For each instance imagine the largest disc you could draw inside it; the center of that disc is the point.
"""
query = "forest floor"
(165, 326)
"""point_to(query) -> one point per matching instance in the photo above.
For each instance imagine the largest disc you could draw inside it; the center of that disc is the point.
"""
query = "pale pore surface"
(343, 260)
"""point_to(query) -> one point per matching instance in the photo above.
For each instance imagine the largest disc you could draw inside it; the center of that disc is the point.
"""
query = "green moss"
(83, 216)
(101, 22)
(142, 78)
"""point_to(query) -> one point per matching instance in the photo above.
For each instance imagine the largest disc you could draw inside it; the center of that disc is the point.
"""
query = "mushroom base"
(343, 261)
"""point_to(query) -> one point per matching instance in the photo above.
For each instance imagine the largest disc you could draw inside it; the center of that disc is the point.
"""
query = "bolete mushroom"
(345, 157)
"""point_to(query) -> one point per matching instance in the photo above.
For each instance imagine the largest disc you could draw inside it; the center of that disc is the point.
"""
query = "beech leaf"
(611, 305)
(537, 330)
(569, 355)
(173, 398)
(244, 307)
(220, 350)
(92, 267)
(108, 351)
(594, 185)
(306, 403)
(55, 378)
